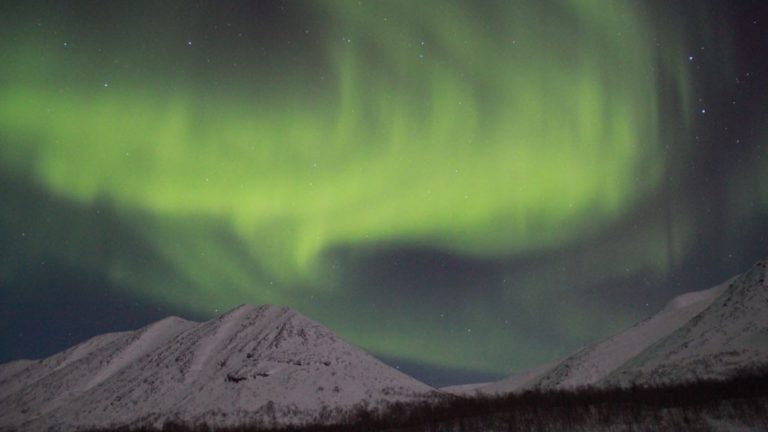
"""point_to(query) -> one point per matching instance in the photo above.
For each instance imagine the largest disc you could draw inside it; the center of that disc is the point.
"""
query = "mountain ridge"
(265, 363)
(707, 334)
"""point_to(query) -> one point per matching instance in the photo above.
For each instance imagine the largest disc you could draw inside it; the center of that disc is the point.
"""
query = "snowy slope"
(732, 333)
(702, 334)
(267, 363)
(593, 363)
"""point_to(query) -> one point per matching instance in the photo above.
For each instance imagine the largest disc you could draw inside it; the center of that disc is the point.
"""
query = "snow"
(11, 368)
(224, 328)
(729, 335)
(149, 339)
(593, 363)
(268, 363)
(711, 333)
(19, 378)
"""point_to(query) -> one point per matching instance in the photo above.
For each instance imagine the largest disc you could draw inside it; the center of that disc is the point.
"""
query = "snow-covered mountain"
(262, 363)
(729, 335)
(702, 334)
(592, 364)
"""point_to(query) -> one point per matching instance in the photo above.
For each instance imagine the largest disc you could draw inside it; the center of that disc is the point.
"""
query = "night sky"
(464, 189)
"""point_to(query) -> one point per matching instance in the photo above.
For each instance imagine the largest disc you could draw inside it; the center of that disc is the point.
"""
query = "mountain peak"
(247, 311)
(253, 362)
(246, 308)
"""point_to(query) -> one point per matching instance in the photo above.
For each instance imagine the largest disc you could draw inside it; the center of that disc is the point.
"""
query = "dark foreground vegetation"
(740, 402)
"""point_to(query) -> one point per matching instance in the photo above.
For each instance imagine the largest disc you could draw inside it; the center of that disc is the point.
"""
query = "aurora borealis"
(476, 188)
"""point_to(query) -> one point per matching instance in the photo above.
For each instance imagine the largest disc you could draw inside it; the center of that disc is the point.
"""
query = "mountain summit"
(266, 363)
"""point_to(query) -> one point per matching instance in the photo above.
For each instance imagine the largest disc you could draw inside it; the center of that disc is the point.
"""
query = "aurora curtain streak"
(264, 172)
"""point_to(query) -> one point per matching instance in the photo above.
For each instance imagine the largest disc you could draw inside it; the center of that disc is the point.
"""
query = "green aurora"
(515, 129)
